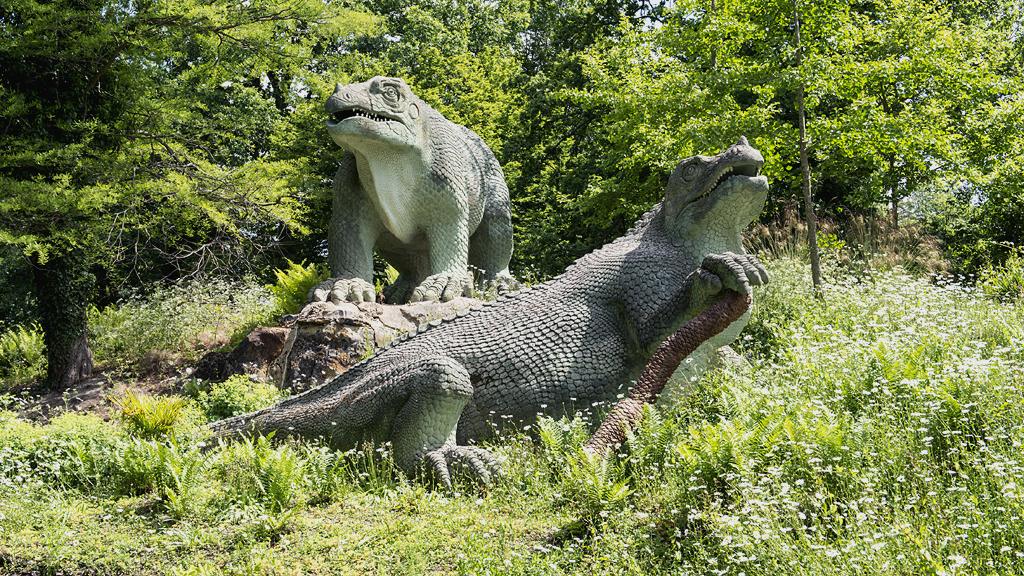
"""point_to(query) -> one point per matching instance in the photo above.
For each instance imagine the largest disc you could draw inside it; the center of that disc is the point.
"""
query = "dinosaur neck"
(390, 176)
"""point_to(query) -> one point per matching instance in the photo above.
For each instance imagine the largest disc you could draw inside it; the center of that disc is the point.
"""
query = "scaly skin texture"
(556, 348)
(427, 194)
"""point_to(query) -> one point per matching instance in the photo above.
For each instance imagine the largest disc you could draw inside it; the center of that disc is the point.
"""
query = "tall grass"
(879, 431)
(857, 243)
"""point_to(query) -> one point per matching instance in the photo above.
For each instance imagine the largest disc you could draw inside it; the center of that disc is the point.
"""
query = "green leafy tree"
(133, 137)
(888, 91)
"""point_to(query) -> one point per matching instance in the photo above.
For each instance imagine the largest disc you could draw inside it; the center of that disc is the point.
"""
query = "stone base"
(325, 339)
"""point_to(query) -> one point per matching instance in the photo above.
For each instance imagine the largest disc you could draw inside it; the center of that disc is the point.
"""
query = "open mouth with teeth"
(739, 170)
(342, 115)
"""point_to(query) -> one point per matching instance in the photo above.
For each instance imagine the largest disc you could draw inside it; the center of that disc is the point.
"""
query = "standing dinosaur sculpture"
(426, 193)
(557, 347)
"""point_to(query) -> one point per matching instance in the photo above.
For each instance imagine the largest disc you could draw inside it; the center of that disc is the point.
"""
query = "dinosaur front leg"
(490, 247)
(354, 230)
(735, 271)
(449, 277)
(423, 433)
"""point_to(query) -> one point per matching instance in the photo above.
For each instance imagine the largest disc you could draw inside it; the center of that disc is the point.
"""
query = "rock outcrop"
(322, 341)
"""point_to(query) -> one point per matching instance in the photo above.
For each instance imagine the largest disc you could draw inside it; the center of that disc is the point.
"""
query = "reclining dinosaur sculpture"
(557, 347)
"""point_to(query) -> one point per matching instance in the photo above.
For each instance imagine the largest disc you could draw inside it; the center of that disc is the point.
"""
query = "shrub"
(85, 453)
(237, 395)
(292, 284)
(72, 451)
(183, 319)
(22, 355)
(1006, 281)
(150, 416)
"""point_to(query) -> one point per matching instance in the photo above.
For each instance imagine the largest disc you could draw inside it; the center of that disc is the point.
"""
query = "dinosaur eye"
(690, 171)
(391, 93)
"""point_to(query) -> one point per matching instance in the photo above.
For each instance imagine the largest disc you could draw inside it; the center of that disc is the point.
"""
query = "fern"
(293, 284)
(22, 355)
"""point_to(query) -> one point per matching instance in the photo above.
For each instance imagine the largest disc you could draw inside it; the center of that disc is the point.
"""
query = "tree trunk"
(63, 286)
(625, 415)
(279, 85)
(894, 199)
(805, 170)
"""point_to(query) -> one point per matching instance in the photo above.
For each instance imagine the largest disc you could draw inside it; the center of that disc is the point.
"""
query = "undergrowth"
(182, 320)
(878, 431)
(1006, 281)
(292, 285)
(236, 395)
(22, 356)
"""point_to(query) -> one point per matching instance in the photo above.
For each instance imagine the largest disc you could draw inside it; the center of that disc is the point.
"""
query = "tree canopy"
(149, 140)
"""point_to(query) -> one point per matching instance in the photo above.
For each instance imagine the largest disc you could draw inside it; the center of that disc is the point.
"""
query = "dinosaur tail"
(626, 414)
(302, 414)
(241, 425)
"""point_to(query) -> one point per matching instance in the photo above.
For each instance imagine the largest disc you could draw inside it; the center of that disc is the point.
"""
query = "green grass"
(878, 432)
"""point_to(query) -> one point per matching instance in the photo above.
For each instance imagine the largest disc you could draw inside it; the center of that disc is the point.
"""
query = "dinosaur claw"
(448, 461)
(442, 287)
(503, 283)
(736, 272)
(339, 290)
(438, 465)
(321, 292)
(759, 272)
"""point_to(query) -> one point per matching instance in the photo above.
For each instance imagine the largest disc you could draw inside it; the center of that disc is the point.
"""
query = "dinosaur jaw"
(731, 194)
(355, 113)
(357, 127)
(741, 172)
(733, 201)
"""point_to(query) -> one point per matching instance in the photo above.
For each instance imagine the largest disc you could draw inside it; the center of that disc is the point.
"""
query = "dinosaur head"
(716, 195)
(380, 111)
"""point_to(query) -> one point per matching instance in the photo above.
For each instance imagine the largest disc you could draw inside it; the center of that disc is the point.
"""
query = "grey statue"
(426, 193)
(554, 348)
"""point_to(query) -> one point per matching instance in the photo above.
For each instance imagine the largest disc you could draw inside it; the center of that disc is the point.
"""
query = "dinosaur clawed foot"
(400, 291)
(452, 461)
(343, 290)
(443, 287)
(503, 283)
(737, 272)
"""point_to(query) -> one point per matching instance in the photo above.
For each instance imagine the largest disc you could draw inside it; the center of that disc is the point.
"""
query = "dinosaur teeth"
(353, 113)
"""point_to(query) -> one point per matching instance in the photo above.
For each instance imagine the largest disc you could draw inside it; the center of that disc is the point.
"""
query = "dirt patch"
(92, 395)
